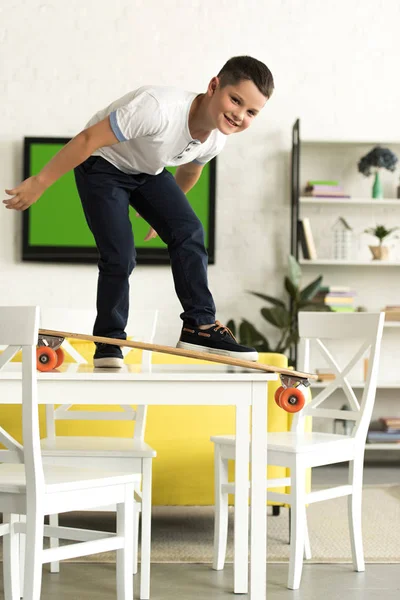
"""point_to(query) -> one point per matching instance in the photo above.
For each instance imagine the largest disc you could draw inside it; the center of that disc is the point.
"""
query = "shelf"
(392, 324)
(363, 201)
(384, 446)
(327, 141)
(350, 263)
(360, 384)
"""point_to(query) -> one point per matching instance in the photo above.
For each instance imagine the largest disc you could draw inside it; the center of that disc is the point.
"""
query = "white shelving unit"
(377, 286)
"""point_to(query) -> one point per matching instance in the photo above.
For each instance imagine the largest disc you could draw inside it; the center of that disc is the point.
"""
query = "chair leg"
(354, 503)
(307, 546)
(298, 525)
(136, 507)
(125, 529)
(22, 547)
(53, 522)
(145, 542)
(221, 510)
(11, 569)
(33, 558)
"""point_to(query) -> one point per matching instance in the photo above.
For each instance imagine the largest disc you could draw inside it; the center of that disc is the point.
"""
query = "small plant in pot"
(380, 252)
(377, 158)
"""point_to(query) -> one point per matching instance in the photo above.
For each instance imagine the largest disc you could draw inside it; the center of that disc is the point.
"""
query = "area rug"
(185, 534)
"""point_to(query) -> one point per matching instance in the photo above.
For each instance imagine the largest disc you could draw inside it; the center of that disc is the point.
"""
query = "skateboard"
(288, 396)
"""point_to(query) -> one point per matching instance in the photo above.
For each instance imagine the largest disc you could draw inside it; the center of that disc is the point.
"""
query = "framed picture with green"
(55, 228)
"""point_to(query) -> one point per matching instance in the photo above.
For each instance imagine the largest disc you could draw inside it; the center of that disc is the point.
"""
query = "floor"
(200, 582)
(376, 471)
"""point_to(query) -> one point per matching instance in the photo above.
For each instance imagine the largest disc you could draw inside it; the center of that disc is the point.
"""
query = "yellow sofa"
(183, 472)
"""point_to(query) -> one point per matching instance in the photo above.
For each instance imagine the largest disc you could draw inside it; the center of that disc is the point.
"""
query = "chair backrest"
(343, 340)
(19, 330)
(141, 327)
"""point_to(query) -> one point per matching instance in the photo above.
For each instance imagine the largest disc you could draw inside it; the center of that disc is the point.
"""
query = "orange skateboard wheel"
(46, 359)
(278, 394)
(60, 356)
(291, 400)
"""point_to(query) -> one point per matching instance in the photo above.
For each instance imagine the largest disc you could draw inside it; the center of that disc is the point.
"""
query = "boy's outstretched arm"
(186, 176)
(71, 155)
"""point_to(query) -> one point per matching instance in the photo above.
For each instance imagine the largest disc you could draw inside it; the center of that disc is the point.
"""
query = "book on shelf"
(329, 182)
(339, 300)
(335, 288)
(309, 239)
(302, 240)
(383, 437)
(325, 190)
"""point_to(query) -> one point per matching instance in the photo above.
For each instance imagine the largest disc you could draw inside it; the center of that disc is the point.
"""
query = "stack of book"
(392, 313)
(325, 189)
(338, 298)
(386, 430)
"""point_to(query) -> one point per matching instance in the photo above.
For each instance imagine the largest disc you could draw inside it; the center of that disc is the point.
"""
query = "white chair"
(299, 450)
(131, 455)
(29, 488)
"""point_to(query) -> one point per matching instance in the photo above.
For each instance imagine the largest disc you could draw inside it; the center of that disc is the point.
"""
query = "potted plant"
(376, 159)
(381, 232)
(282, 314)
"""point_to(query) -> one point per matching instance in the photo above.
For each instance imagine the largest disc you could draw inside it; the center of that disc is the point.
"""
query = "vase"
(379, 252)
(377, 189)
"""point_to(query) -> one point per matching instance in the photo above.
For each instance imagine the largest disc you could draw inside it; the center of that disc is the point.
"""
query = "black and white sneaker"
(217, 339)
(108, 356)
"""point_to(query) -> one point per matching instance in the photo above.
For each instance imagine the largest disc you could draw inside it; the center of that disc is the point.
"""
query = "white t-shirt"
(151, 124)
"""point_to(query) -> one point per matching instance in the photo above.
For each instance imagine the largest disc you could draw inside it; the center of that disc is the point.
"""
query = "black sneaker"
(217, 339)
(108, 356)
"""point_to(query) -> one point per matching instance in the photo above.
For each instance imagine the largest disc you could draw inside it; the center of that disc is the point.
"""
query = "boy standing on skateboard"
(119, 160)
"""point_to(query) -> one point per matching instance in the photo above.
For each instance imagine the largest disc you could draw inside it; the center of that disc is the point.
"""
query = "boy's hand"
(152, 233)
(25, 194)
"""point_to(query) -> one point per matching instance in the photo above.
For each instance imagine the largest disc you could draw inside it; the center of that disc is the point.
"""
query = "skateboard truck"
(289, 395)
(49, 354)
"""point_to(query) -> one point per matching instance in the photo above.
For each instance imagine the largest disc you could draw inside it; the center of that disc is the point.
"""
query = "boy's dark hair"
(246, 67)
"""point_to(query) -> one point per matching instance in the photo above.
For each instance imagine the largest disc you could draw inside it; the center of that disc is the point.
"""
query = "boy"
(119, 160)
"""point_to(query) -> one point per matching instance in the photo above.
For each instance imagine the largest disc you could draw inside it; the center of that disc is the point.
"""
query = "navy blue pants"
(106, 193)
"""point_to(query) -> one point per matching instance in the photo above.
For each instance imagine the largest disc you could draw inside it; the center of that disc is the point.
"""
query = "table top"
(75, 372)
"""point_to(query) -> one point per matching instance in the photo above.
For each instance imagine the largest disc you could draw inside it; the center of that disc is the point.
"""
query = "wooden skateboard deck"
(217, 358)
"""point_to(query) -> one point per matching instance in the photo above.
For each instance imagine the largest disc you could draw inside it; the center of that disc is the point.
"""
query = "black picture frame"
(81, 254)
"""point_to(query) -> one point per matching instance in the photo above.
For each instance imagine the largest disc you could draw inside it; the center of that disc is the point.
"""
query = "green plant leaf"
(278, 316)
(271, 299)
(294, 271)
(250, 336)
(311, 290)
(291, 289)
(232, 326)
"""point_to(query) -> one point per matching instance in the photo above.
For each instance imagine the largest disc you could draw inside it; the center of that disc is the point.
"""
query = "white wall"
(335, 65)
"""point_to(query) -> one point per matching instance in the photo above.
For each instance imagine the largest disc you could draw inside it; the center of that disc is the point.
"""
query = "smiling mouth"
(232, 123)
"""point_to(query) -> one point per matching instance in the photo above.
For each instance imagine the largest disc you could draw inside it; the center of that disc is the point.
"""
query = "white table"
(181, 385)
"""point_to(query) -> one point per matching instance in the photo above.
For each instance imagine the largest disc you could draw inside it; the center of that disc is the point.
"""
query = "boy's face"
(233, 108)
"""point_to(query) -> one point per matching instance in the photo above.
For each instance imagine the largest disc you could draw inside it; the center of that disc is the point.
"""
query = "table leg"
(258, 493)
(241, 532)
